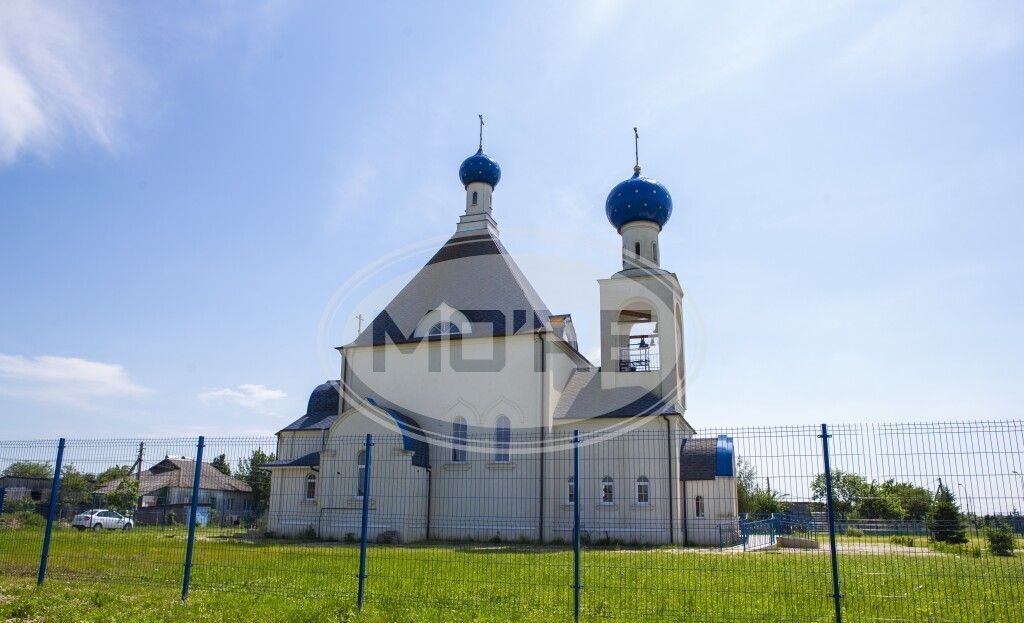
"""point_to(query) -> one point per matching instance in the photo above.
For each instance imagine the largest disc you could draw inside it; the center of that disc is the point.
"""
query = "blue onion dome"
(638, 199)
(324, 399)
(479, 168)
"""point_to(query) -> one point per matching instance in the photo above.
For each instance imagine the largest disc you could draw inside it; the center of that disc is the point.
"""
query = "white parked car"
(99, 518)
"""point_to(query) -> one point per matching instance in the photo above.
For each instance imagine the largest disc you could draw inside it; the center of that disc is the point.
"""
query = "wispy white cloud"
(65, 380)
(62, 74)
(921, 39)
(250, 396)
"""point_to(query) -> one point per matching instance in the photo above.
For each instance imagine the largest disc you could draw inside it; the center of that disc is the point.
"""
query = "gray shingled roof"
(583, 397)
(180, 473)
(697, 459)
(306, 460)
(471, 273)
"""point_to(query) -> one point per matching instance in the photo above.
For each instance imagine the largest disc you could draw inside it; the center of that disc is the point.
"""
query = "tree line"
(855, 497)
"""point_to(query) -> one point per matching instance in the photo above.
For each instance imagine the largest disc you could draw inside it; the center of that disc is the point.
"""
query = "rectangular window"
(607, 491)
(643, 490)
(311, 487)
(361, 473)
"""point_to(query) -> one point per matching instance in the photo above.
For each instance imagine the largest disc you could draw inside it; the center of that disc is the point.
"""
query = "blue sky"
(184, 188)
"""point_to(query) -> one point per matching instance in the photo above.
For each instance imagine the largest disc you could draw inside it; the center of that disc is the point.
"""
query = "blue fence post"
(54, 494)
(836, 595)
(576, 502)
(196, 479)
(364, 530)
(3, 494)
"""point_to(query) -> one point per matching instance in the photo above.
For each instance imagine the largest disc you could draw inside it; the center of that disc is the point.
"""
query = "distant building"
(167, 487)
(19, 488)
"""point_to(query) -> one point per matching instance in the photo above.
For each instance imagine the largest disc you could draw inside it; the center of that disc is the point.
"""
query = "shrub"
(309, 534)
(906, 541)
(350, 537)
(1001, 539)
(18, 506)
(22, 519)
(388, 537)
(171, 519)
(854, 532)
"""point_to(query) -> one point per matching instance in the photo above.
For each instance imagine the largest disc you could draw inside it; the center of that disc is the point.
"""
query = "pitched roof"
(474, 274)
(173, 472)
(583, 397)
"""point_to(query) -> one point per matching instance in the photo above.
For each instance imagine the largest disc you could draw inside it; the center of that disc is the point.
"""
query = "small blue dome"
(324, 399)
(479, 168)
(638, 199)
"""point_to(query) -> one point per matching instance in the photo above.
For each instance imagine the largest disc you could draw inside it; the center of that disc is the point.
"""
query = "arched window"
(360, 473)
(643, 490)
(311, 487)
(638, 341)
(459, 432)
(474, 197)
(698, 506)
(607, 490)
(502, 440)
(443, 328)
(654, 251)
(570, 487)
(636, 248)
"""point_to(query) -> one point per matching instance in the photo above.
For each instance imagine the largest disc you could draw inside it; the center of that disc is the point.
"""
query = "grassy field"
(136, 576)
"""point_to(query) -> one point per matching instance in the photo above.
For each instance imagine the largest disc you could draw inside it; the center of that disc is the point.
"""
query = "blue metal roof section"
(412, 435)
(638, 199)
(724, 456)
(479, 168)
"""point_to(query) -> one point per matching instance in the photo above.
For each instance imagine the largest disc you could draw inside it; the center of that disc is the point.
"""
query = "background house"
(21, 488)
(167, 488)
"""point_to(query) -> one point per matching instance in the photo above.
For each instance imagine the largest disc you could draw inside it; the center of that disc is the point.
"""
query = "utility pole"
(138, 473)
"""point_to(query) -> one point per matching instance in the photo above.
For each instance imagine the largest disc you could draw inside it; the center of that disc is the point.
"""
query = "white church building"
(471, 388)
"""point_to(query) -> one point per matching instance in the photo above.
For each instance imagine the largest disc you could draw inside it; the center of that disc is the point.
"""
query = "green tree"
(915, 500)
(29, 469)
(847, 489)
(250, 470)
(220, 463)
(125, 497)
(746, 480)
(877, 503)
(114, 472)
(765, 502)
(1001, 538)
(944, 520)
(76, 487)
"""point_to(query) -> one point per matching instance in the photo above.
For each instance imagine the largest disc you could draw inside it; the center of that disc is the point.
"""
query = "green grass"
(136, 576)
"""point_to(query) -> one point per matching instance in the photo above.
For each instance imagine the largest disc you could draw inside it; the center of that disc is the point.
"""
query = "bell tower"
(641, 305)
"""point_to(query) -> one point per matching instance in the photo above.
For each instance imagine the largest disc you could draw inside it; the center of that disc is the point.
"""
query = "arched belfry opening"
(638, 340)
